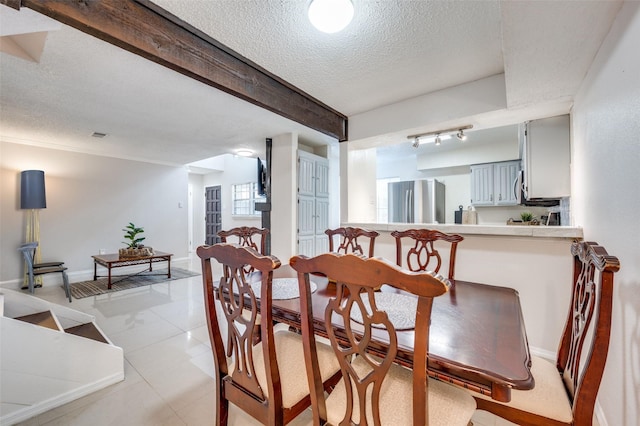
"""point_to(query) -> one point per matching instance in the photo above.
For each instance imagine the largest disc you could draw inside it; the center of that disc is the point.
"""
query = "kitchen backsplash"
(500, 215)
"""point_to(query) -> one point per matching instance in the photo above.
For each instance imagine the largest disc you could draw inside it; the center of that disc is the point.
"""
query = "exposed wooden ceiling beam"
(145, 29)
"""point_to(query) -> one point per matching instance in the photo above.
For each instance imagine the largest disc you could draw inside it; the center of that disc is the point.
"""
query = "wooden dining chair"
(565, 391)
(245, 236)
(248, 236)
(374, 390)
(423, 256)
(349, 240)
(263, 380)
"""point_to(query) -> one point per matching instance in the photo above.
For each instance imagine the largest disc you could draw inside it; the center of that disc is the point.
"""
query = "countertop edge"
(571, 232)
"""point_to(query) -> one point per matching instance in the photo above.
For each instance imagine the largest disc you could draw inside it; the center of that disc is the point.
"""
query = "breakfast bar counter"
(570, 232)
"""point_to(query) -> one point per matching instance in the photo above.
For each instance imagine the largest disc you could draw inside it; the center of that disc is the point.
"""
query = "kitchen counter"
(568, 232)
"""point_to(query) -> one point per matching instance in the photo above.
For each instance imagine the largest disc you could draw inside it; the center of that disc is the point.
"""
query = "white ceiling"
(392, 51)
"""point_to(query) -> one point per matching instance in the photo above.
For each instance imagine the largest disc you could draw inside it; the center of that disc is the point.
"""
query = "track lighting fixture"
(438, 136)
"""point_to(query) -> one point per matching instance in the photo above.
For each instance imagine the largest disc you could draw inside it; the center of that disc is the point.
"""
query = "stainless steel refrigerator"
(419, 201)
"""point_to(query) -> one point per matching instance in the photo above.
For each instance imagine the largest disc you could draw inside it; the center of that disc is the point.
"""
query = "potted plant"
(131, 234)
(526, 217)
(134, 246)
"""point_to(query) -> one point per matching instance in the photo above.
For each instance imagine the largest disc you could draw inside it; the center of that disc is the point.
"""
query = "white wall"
(362, 185)
(196, 196)
(465, 100)
(606, 198)
(504, 150)
(89, 200)
(238, 170)
(284, 206)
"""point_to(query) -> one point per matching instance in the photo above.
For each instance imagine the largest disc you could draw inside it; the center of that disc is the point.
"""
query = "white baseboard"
(602, 420)
(543, 353)
(43, 406)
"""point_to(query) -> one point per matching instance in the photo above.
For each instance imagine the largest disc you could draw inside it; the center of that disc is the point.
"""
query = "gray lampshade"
(32, 194)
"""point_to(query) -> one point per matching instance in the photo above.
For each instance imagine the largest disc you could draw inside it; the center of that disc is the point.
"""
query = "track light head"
(439, 135)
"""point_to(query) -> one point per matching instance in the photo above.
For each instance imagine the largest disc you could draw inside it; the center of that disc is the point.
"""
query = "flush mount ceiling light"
(330, 16)
(438, 136)
(244, 152)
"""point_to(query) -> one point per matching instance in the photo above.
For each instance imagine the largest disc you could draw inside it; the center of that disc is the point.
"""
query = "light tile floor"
(168, 360)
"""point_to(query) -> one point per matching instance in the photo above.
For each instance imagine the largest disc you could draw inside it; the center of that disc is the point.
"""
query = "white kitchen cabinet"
(313, 204)
(546, 158)
(306, 245)
(306, 216)
(505, 176)
(492, 184)
(482, 184)
(306, 175)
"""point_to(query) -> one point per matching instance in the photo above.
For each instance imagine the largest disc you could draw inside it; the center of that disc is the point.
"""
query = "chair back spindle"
(246, 236)
(590, 309)
(349, 240)
(263, 379)
(422, 254)
(370, 378)
(239, 305)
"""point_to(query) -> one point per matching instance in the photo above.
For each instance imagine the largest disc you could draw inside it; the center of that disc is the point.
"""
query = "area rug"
(90, 288)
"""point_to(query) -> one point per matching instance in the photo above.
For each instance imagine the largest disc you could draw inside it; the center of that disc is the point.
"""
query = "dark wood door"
(213, 214)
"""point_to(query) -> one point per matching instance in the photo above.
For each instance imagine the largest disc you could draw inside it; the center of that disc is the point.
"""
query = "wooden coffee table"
(111, 261)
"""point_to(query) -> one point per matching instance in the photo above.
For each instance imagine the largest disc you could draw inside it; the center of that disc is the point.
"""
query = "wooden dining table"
(477, 335)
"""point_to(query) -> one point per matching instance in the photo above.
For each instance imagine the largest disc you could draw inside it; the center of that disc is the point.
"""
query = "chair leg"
(222, 408)
(65, 282)
(31, 283)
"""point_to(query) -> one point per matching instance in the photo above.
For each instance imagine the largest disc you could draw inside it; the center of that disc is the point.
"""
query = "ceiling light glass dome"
(330, 16)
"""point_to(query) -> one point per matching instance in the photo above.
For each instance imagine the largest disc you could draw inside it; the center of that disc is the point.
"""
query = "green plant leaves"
(132, 234)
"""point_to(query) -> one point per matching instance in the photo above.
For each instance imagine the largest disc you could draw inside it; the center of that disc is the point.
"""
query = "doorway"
(213, 214)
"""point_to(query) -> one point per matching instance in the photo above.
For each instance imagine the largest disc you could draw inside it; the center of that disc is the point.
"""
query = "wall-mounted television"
(262, 178)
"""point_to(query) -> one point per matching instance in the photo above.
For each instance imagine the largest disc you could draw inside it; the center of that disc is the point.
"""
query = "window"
(244, 198)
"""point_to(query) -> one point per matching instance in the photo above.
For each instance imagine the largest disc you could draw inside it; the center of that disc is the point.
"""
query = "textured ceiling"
(392, 51)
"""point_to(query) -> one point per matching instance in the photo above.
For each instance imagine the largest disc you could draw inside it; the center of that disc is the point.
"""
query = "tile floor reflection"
(168, 360)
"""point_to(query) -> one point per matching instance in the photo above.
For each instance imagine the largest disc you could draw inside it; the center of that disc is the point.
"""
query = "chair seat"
(47, 264)
(293, 373)
(548, 398)
(448, 405)
(49, 270)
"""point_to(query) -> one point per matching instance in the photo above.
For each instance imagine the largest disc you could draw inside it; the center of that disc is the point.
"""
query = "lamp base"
(33, 235)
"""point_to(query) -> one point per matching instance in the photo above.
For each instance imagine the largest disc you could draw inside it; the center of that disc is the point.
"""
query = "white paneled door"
(313, 204)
